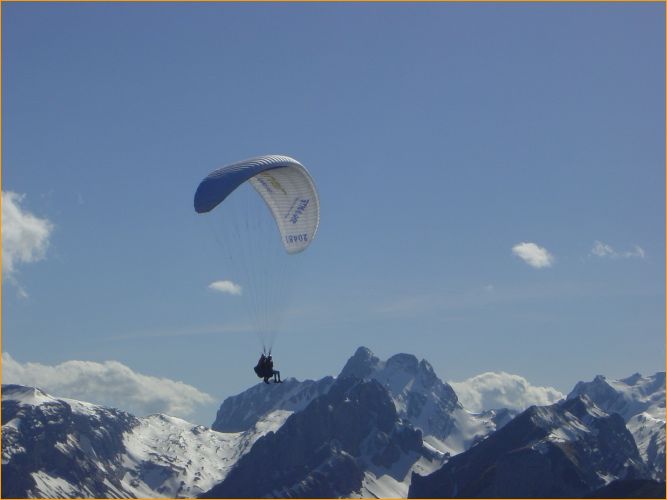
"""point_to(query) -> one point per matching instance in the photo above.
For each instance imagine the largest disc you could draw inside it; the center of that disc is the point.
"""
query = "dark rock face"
(631, 488)
(239, 413)
(36, 440)
(563, 450)
(324, 450)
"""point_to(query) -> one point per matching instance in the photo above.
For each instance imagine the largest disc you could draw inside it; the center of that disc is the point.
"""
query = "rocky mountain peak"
(640, 401)
(582, 407)
(40, 429)
(361, 365)
(545, 452)
(406, 362)
(598, 389)
(632, 379)
(352, 427)
(241, 412)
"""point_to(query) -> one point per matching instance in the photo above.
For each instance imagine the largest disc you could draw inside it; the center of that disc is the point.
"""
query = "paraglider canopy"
(246, 231)
(285, 186)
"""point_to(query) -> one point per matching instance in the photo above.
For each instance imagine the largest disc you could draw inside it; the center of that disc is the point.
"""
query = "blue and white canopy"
(283, 183)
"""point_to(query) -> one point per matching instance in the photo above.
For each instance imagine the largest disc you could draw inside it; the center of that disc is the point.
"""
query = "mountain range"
(564, 450)
(381, 428)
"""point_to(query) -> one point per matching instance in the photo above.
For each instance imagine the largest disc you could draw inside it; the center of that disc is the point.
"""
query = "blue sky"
(440, 137)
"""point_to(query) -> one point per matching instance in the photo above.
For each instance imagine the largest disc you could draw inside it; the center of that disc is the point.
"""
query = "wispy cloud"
(502, 390)
(110, 384)
(226, 286)
(25, 237)
(601, 249)
(533, 255)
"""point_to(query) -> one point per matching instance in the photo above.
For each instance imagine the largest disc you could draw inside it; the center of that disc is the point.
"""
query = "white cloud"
(601, 249)
(502, 390)
(637, 252)
(533, 255)
(110, 384)
(226, 286)
(25, 237)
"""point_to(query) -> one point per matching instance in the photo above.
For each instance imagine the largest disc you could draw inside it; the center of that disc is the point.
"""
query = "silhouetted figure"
(264, 369)
(271, 372)
(261, 368)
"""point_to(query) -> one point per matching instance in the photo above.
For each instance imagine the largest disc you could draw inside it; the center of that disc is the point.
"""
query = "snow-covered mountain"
(276, 403)
(349, 442)
(420, 401)
(425, 401)
(568, 449)
(56, 447)
(362, 433)
(641, 402)
(419, 396)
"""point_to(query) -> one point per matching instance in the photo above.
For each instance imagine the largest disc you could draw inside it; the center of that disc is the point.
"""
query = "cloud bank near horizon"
(492, 390)
(109, 383)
